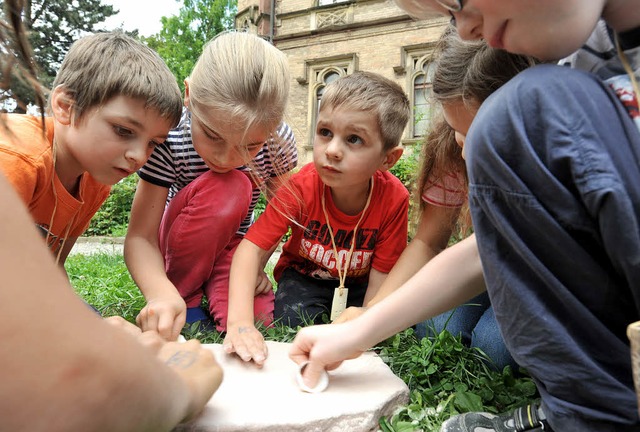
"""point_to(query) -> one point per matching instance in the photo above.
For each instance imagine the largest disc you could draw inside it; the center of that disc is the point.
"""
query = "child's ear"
(186, 92)
(61, 105)
(391, 157)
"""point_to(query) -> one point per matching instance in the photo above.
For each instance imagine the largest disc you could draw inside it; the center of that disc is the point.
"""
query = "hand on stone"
(263, 284)
(196, 366)
(165, 315)
(247, 342)
(324, 347)
(350, 313)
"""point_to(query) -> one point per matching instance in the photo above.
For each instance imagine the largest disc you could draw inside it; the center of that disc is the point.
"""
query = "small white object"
(322, 384)
(181, 339)
(339, 303)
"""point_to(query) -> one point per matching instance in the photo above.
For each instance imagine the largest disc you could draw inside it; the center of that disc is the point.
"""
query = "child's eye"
(354, 139)
(122, 131)
(324, 132)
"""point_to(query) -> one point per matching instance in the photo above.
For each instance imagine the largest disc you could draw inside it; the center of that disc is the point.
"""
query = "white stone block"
(250, 399)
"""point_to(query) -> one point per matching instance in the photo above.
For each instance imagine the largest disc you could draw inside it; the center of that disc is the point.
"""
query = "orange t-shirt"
(26, 159)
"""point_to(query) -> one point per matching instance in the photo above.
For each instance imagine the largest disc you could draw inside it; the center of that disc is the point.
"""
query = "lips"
(330, 169)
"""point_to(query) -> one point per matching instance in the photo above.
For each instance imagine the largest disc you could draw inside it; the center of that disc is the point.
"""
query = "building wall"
(372, 35)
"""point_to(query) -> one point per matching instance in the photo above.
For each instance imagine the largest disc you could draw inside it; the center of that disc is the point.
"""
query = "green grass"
(445, 378)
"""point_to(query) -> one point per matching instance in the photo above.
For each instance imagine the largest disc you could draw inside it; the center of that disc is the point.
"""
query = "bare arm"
(165, 310)
(242, 336)
(76, 371)
(449, 279)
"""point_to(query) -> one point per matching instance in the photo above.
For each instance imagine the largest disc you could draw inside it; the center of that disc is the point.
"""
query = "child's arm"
(432, 236)
(66, 248)
(448, 280)
(242, 336)
(165, 311)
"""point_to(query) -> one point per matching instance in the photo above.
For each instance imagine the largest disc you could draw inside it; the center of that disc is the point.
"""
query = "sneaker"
(527, 418)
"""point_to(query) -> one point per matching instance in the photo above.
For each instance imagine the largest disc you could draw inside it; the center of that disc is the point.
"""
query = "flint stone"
(269, 400)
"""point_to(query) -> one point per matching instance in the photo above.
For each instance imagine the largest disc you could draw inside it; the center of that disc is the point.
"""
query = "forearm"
(412, 259)
(146, 265)
(448, 280)
(246, 262)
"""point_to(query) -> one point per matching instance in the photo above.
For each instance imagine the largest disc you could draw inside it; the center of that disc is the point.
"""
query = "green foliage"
(104, 282)
(113, 217)
(406, 169)
(444, 377)
(182, 37)
(54, 26)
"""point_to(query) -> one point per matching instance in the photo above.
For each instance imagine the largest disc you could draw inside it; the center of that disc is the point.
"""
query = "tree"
(182, 37)
(53, 26)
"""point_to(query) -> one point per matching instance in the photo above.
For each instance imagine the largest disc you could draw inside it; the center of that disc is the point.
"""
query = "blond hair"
(102, 66)
(242, 76)
(370, 92)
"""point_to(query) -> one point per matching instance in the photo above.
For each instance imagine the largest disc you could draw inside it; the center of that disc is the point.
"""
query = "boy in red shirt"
(345, 204)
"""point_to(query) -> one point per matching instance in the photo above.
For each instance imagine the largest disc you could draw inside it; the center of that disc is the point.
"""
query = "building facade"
(326, 39)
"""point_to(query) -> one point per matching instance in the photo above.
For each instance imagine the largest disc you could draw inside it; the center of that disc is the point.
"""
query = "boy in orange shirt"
(105, 119)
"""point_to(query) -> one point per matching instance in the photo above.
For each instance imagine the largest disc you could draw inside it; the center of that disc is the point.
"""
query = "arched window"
(422, 96)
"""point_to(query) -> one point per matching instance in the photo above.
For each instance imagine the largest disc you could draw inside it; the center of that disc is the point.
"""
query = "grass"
(444, 377)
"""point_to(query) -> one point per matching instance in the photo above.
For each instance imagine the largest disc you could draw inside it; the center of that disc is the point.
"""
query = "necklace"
(341, 293)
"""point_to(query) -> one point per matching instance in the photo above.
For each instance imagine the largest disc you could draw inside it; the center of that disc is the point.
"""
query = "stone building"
(325, 39)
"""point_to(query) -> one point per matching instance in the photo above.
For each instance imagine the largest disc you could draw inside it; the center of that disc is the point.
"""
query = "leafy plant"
(113, 217)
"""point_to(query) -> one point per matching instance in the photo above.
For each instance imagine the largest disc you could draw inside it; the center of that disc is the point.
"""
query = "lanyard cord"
(63, 240)
(627, 67)
(343, 276)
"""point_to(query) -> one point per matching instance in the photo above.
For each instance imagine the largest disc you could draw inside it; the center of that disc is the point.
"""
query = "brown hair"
(371, 92)
(102, 66)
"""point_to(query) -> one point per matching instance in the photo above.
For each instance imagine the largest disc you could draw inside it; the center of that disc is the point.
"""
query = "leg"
(555, 199)
(197, 226)
(459, 321)
(301, 300)
(217, 291)
(487, 337)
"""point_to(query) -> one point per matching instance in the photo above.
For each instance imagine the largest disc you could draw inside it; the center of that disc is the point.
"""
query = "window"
(422, 97)
(327, 77)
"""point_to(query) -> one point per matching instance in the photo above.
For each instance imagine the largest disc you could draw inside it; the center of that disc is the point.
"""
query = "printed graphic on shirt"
(317, 250)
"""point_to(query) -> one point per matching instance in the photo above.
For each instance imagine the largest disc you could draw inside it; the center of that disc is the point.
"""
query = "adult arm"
(242, 336)
(76, 371)
(448, 280)
(165, 311)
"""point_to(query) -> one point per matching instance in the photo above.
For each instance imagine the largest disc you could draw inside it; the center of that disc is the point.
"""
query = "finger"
(141, 319)
(151, 340)
(165, 325)
(311, 373)
(228, 345)
(178, 324)
(300, 348)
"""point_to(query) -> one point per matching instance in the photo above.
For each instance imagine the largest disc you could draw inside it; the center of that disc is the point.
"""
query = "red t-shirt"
(381, 236)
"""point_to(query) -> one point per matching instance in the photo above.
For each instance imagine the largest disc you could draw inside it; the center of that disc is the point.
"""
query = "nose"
(334, 149)
(469, 25)
(138, 153)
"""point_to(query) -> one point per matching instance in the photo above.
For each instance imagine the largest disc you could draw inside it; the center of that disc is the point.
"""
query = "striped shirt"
(174, 164)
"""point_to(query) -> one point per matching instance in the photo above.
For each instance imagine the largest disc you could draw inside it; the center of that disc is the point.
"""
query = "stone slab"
(250, 399)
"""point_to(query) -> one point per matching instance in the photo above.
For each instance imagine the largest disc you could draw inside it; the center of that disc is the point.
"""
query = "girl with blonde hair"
(197, 192)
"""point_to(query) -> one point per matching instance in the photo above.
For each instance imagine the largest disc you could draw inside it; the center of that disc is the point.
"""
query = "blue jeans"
(475, 323)
(554, 168)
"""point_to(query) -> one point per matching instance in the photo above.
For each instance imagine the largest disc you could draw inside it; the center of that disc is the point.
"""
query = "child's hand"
(325, 347)
(197, 367)
(350, 313)
(247, 342)
(165, 315)
(263, 284)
